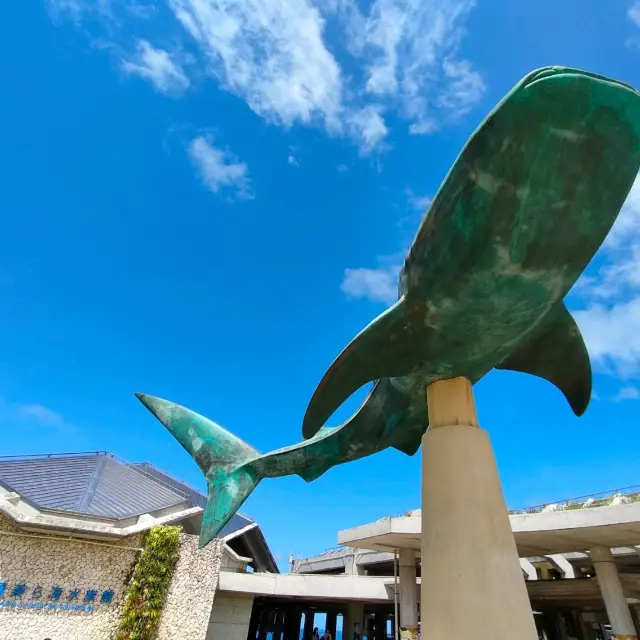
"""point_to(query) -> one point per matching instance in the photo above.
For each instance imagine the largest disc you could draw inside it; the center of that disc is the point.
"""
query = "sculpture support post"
(472, 583)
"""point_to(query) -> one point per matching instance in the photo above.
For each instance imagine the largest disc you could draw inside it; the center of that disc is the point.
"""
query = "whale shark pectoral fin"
(558, 354)
(386, 348)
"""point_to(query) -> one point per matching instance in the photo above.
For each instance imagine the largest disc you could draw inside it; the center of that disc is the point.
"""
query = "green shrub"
(148, 589)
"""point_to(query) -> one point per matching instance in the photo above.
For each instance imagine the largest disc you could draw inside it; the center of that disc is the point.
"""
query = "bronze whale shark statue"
(523, 210)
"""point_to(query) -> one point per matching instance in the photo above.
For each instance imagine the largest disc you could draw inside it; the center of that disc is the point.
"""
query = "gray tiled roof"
(238, 520)
(96, 484)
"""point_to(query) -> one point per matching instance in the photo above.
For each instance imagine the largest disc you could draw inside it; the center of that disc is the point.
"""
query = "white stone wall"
(68, 565)
(37, 560)
(188, 606)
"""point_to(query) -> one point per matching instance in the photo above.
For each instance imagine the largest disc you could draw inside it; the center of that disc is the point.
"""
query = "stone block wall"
(61, 589)
(188, 606)
(52, 587)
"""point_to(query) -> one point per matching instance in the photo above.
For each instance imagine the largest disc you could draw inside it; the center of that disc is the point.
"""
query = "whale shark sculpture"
(523, 210)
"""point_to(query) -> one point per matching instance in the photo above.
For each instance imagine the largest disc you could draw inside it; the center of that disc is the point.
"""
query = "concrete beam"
(562, 564)
(528, 569)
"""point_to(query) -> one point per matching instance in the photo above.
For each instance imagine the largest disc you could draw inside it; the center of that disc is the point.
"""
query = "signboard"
(55, 598)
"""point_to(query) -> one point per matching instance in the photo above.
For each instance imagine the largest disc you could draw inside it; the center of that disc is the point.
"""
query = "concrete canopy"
(536, 534)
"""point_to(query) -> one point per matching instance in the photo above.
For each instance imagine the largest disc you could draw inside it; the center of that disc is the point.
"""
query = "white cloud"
(634, 12)
(292, 160)
(410, 49)
(275, 55)
(609, 313)
(368, 127)
(219, 169)
(269, 53)
(377, 285)
(41, 414)
(157, 66)
(30, 415)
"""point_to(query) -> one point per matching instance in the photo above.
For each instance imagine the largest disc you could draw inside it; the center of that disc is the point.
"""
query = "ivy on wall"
(148, 589)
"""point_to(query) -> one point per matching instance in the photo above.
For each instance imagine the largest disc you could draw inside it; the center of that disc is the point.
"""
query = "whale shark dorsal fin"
(558, 354)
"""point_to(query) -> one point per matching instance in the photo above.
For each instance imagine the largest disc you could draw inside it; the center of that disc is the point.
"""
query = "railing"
(602, 499)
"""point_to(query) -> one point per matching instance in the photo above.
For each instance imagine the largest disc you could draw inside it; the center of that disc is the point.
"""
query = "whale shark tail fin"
(224, 459)
(558, 354)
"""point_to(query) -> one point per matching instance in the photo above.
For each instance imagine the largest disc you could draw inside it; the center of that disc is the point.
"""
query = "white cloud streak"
(219, 169)
(41, 414)
(276, 55)
(270, 53)
(159, 68)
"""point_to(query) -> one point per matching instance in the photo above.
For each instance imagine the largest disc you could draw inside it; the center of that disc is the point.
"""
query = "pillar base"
(409, 633)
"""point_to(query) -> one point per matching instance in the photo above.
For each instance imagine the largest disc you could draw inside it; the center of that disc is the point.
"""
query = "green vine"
(148, 589)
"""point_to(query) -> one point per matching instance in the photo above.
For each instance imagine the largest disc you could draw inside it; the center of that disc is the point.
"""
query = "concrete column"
(381, 625)
(561, 626)
(308, 624)
(408, 596)
(332, 621)
(254, 621)
(292, 620)
(352, 620)
(472, 583)
(615, 601)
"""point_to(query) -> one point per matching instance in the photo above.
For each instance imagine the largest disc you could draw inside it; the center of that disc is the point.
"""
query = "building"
(580, 561)
(73, 531)
(72, 528)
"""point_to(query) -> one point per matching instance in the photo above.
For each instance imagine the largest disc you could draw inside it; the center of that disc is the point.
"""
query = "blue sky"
(206, 199)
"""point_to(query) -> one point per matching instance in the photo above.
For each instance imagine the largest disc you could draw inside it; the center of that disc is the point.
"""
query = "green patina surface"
(521, 213)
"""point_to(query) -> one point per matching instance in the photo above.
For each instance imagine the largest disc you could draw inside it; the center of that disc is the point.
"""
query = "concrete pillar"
(408, 596)
(330, 625)
(369, 624)
(352, 620)
(308, 624)
(254, 621)
(472, 583)
(381, 625)
(615, 601)
(292, 620)
(561, 626)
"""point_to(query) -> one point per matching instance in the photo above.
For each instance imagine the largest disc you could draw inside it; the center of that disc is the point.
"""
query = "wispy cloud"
(270, 53)
(33, 415)
(158, 67)
(275, 55)
(419, 203)
(627, 393)
(219, 169)
(410, 49)
(368, 127)
(41, 414)
(634, 12)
